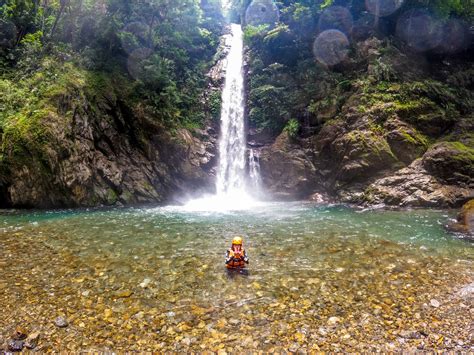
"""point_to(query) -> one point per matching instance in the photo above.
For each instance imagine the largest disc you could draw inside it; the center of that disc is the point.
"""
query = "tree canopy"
(164, 46)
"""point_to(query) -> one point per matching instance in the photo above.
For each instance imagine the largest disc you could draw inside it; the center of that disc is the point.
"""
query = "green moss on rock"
(450, 161)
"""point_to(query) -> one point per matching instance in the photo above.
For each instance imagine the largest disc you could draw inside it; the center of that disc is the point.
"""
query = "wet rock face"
(360, 154)
(405, 142)
(108, 157)
(452, 162)
(352, 162)
(465, 221)
(346, 158)
(286, 171)
(414, 186)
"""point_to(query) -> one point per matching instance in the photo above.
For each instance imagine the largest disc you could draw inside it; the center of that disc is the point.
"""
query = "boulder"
(465, 220)
(452, 162)
(286, 170)
(414, 186)
(353, 156)
(404, 140)
(466, 216)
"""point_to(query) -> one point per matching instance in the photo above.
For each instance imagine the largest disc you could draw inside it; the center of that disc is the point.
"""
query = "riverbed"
(327, 278)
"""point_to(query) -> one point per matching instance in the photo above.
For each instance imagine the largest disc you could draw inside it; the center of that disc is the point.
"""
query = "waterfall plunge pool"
(326, 277)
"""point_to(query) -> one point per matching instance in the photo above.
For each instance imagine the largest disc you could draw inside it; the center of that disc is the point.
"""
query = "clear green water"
(157, 273)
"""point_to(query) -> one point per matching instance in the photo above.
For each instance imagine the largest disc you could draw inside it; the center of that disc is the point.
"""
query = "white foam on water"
(232, 201)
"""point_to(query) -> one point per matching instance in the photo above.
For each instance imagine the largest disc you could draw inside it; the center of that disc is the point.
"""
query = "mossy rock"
(452, 162)
(465, 220)
(430, 106)
(362, 154)
(405, 141)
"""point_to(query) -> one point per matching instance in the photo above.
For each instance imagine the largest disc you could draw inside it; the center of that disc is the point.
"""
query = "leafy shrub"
(292, 128)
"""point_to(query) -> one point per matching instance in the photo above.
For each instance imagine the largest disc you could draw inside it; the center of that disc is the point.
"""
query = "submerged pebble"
(61, 322)
(32, 340)
(15, 345)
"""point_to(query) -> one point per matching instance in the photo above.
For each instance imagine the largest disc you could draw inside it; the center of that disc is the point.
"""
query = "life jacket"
(235, 263)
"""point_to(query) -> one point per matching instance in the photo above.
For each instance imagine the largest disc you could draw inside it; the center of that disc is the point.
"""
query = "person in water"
(236, 257)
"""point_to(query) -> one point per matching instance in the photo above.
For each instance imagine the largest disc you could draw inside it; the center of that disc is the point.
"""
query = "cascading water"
(232, 143)
(254, 171)
(232, 191)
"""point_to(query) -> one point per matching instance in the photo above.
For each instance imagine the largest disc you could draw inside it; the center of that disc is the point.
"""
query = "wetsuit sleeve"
(228, 258)
(246, 258)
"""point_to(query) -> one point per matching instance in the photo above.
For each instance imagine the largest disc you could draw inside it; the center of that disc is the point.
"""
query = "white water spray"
(254, 171)
(231, 187)
(232, 144)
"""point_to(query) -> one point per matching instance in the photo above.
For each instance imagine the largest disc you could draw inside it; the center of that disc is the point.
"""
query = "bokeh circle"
(419, 30)
(336, 18)
(135, 61)
(383, 8)
(8, 33)
(262, 12)
(134, 36)
(331, 47)
(454, 37)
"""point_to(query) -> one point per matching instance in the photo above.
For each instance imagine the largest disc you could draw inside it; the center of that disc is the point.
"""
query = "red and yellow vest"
(235, 263)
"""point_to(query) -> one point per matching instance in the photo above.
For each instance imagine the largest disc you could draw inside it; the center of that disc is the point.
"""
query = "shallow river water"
(320, 277)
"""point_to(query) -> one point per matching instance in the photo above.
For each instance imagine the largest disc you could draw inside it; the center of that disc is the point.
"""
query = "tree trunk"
(58, 17)
(377, 15)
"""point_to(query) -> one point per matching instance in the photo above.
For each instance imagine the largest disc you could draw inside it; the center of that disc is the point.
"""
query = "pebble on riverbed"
(32, 340)
(61, 322)
(15, 345)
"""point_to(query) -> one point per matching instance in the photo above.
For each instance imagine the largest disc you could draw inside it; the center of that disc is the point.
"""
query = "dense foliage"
(161, 48)
(286, 81)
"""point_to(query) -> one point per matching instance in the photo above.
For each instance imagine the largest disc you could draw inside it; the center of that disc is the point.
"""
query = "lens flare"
(454, 37)
(419, 30)
(383, 8)
(135, 61)
(336, 18)
(262, 12)
(331, 47)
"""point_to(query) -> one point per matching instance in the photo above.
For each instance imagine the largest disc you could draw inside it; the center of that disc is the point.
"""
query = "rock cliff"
(102, 153)
(89, 144)
(400, 133)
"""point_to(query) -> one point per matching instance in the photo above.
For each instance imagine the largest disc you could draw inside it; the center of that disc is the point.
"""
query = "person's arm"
(246, 258)
(228, 256)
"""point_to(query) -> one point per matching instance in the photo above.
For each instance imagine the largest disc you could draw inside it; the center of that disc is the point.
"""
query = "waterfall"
(254, 171)
(232, 143)
(232, 190)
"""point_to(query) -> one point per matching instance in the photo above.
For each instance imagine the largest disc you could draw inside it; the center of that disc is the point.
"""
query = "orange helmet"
(237, 241)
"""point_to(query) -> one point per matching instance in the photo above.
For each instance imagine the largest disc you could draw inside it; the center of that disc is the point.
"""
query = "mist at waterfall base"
(236, 188)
